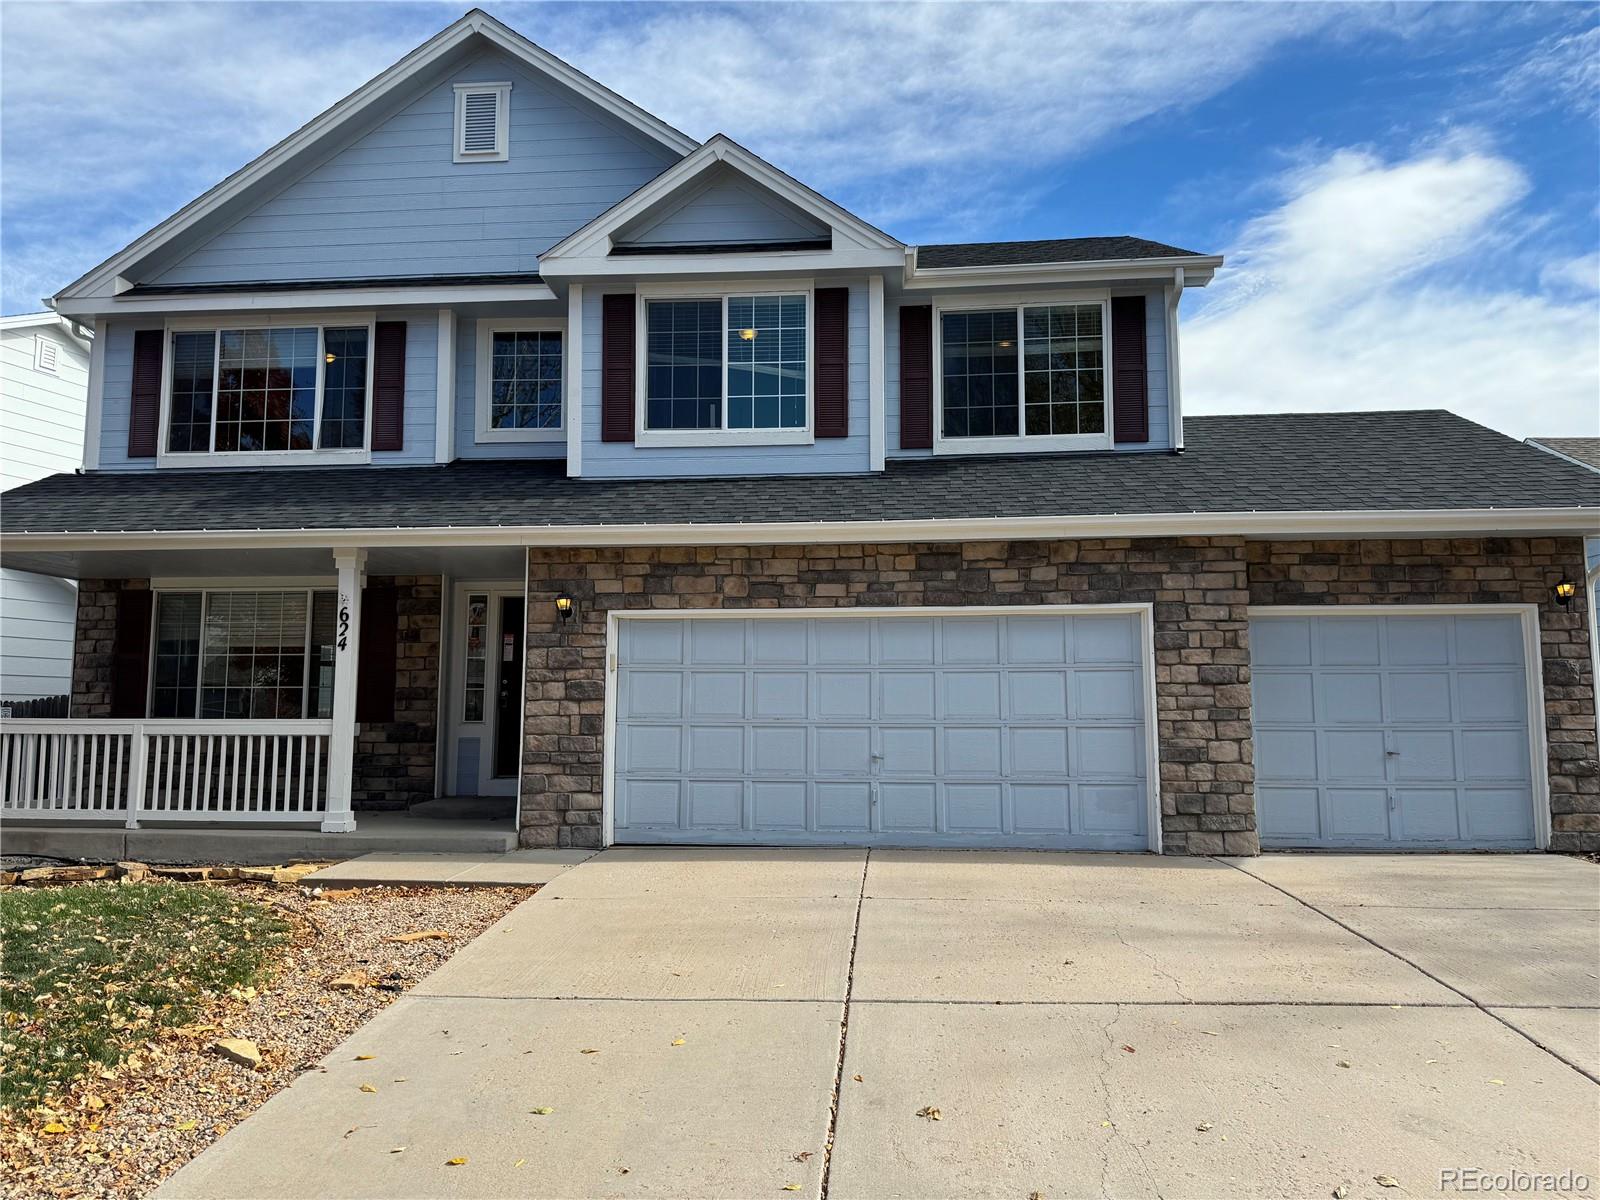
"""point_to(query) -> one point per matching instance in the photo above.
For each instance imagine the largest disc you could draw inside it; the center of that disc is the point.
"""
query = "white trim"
(502, 122)
(96, 398)
(573, 365)
(877, 374)
(483, 379)
(586, 249)
(1145, 612)
(648, 438)
(422, 295)
(41, 320)
(453, 686)
(1477, 521)
(1200, 267)
(244, 583)
(475, 24)
(1174, 294)
(444, 414)
(238, 458)
(1022, 443)
(1533, 660)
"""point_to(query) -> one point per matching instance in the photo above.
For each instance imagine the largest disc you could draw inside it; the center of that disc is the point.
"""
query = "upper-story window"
(1023, 376)
(269, 389)
(519, 380)
(731, 368)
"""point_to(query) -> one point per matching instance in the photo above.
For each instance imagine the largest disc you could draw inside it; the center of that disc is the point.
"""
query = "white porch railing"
(132, 771)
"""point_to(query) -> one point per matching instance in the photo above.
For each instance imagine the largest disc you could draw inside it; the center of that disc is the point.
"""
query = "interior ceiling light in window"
(748, 335)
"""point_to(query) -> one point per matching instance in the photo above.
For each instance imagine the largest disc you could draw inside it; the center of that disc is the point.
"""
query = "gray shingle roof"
(1584, 449)
(1287, 463)
(1055, 250)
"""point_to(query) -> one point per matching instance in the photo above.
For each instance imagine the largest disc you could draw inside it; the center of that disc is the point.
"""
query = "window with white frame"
(519, 382)
(483, 115)
(262, 655)
(1032, 372)
(270, 388)
(736, 365)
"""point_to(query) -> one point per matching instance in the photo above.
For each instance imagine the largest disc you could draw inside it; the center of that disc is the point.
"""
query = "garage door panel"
(973, 808)
(1289, 812)
(1417, 734)
(1427, 814)
(1352, 698)
(842, 750)
(845, 807)
(1420, 696)
(1020, 729)
(908, 807)
(1355, 814)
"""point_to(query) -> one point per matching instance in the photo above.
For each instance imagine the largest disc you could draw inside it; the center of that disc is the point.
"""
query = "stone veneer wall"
(94, 660)
(1471, 571)
(1197, 585)
(395, 760)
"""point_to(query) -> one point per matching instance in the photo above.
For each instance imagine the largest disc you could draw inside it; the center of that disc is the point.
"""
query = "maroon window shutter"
(130, 684)
(389, 386)
(1130, 388)
(916, 378)
(616, 367)
(144, 414)
(375, 662)
(831, 349)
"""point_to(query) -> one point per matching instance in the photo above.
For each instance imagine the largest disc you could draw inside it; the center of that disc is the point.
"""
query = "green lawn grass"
(89, 972)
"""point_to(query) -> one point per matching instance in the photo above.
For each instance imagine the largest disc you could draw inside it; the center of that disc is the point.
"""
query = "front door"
(485, 662)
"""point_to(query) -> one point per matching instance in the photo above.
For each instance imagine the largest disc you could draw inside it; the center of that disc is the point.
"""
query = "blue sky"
(1409, 195)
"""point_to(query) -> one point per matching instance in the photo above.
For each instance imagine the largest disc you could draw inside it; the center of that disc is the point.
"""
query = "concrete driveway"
(754, 1023)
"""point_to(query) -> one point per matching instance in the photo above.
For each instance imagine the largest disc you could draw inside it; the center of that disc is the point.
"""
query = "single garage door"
(882, 730)
(1391, 731)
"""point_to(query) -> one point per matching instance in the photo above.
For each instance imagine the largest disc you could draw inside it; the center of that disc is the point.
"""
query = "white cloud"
(1358, 292)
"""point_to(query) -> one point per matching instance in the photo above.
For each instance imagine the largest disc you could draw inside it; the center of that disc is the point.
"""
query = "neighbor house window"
(520, 380)
(1024, 371)
(727, 365)
(262, 655)
(280, 388)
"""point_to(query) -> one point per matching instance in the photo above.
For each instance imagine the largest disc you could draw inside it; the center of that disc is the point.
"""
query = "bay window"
(730, 368)
(519, 380)
(1023, 376)
(268, 388)
(262, 655)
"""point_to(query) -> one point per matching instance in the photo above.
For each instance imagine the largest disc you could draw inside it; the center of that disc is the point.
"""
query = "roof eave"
(1203, 267)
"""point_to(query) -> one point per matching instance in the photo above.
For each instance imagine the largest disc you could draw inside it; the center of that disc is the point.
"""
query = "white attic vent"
(44, 355)
(483, 113)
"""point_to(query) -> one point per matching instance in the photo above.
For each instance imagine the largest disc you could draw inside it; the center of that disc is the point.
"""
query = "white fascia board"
(387, 83)
(1198, 272)
(722, 266)
(427, 296)
(1462, 522)
(584, 243)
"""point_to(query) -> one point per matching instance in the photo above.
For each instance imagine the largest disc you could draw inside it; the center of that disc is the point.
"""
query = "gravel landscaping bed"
(120, 1132)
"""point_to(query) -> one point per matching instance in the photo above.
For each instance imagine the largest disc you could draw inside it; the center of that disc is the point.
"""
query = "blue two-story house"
(489, 446)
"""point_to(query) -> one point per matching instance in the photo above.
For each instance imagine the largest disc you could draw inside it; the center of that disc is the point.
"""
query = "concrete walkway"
(518, 868)
(681, 1022)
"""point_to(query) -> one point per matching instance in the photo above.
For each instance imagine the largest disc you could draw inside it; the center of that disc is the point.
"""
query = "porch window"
(1027, 372)
(731, 365)
(269, 388)
(262, 655)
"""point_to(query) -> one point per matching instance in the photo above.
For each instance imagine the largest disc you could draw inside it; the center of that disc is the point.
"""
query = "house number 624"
(344, 623)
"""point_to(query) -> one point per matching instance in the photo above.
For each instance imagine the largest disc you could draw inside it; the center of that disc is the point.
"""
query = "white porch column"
(351, 565)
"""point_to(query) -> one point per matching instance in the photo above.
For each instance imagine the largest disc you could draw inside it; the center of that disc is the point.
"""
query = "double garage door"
(1376, 731)
(981, 730)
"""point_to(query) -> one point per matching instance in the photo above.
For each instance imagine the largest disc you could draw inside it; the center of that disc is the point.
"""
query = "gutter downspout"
(1174, 379)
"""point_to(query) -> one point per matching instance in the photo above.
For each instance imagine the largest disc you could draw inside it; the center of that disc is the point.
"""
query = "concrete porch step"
(211, 844)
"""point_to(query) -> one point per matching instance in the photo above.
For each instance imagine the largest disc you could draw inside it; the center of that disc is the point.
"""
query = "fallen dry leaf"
(1204, 1126)
(185, 1126)
(857, 1078)
(1343, 1062)
(802, 1156)
(421, 935)
(928, 1111)
(367, 1087)
(1340, 1192)
(1385, 1181)
(519, 1162)
(791, 1187)
(1498, 1082)
(397, 1149)
(543, 1111)
(54, 1127)
(365, 1057)
(677, 1041)
(580, 1052)
(456, 1162)
(1129, 1050)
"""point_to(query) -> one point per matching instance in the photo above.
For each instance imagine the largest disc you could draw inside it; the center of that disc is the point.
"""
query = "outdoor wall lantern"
(566, 606)
(1565, 591)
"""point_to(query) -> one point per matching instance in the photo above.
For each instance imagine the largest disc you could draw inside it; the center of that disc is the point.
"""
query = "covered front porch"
(309, 702)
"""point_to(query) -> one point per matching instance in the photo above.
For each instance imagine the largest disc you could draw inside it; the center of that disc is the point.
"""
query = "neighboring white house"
(44, 383)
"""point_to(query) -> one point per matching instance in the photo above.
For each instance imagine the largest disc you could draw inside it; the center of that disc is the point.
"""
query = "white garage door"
(882, 730)
(1374, 731)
